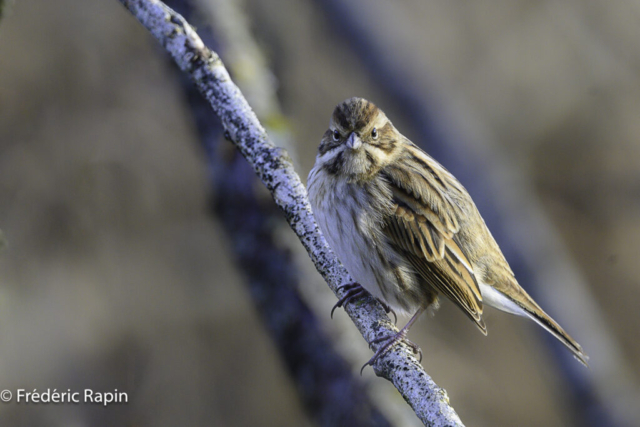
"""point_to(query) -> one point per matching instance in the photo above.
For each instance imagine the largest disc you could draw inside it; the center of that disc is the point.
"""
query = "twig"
(275, 170)
(331, 393)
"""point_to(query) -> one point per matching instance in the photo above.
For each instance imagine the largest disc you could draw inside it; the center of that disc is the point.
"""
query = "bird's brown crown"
(355, 114)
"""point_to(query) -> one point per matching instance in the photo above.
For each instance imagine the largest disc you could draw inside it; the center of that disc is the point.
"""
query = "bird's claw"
(388, 310)
(388, 342)
(354, 290)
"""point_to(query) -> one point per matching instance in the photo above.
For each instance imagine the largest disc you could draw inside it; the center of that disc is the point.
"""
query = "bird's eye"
(336, 135)
(374, 133)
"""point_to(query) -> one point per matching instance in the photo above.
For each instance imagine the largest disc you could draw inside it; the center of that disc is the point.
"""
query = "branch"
(253, 225)
(275, 170)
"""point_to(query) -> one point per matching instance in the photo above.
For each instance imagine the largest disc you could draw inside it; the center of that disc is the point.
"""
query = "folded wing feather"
(423, 226)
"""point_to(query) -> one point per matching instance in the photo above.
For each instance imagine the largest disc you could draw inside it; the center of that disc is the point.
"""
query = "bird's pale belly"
(358, 241)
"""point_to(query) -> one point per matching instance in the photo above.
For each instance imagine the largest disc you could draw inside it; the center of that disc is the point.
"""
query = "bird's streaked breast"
(349, 216)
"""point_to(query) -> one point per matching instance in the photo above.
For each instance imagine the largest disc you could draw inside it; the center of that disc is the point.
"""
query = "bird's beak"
(354, 142)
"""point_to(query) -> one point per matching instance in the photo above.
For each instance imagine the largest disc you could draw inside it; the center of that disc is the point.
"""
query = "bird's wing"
(423, 225)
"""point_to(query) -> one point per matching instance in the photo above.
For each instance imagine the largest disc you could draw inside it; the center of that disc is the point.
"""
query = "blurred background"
(114, 274)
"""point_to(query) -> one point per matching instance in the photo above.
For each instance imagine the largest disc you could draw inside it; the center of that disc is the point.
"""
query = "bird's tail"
(524, 305)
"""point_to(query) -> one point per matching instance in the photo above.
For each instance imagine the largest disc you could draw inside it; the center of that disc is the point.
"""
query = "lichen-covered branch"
(275, 170)
(253, 226)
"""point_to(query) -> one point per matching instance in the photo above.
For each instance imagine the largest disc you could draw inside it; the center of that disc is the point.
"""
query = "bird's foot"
(354, 290)
(387, 343)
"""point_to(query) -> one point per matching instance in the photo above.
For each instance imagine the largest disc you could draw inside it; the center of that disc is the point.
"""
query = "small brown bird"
(406, 229)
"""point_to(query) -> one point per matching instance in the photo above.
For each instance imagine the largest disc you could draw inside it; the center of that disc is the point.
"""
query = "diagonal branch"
(274, 168)
(253, 225)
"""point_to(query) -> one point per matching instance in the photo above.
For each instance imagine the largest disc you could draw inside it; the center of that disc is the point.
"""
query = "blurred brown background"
(115, 276)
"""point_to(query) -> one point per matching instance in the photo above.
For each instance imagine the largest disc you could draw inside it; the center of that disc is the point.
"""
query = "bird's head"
(360, 140)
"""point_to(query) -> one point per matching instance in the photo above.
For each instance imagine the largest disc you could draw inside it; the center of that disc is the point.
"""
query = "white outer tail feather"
(496, 299)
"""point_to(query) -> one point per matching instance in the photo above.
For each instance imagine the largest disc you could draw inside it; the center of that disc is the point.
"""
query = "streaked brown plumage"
(406, 229)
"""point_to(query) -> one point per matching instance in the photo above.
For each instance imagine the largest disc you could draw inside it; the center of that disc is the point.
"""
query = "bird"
(406, 229)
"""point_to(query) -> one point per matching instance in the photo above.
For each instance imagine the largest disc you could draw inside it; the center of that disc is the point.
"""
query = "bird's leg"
(356, 290)
(387, 342)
